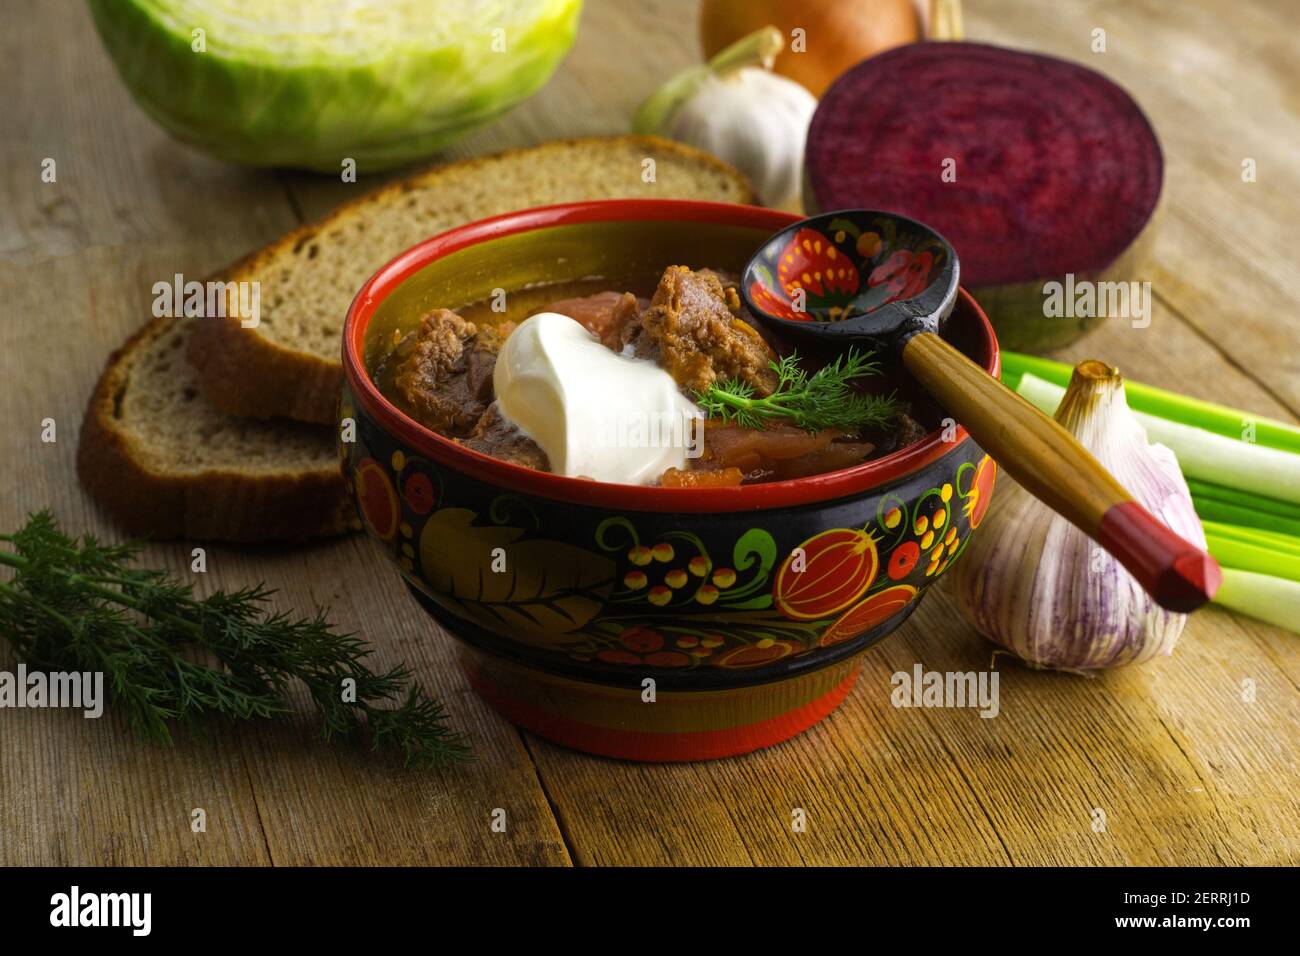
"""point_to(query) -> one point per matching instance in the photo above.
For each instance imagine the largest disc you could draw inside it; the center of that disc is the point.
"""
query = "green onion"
(1265, 539)
(1204, 455)
(1271, 599)
(1254, 558)
(1221, 511)
(1234, 496)
(1247, 493)
(1170, 406)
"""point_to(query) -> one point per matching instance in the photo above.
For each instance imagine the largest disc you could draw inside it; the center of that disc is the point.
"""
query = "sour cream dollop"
(596, 413)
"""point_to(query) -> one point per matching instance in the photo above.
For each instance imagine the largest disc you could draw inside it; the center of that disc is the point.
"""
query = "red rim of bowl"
(815, 488)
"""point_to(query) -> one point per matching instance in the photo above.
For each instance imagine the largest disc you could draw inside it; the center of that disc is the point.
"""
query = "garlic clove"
(741, 112)
(759, 47)
(755, 120)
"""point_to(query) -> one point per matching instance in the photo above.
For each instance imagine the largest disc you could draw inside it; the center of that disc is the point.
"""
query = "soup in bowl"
(611, 486)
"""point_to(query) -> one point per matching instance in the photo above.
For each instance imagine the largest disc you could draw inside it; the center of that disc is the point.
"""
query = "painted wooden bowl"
(644, 622)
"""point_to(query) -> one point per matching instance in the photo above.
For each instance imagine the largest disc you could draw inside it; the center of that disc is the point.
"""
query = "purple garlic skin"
(1039, 587)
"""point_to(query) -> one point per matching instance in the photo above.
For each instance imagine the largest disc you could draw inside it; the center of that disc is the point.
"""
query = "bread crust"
(245, 373)
(218, 504)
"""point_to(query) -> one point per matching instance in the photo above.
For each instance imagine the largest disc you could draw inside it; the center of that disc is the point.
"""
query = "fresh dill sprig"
(80, 605)
(812, 402)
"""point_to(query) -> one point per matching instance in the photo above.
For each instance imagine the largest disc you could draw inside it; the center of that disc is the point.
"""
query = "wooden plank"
(77, 259)
(120, 179)
(82, 791)
(873, 789)
(1169, 753)
(131, 207)
(342, 806)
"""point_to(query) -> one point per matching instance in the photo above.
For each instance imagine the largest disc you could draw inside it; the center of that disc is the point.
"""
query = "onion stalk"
(1203, 455)
(1253, 557)
(1284, 543)
(1268, 598)
(1171, 406)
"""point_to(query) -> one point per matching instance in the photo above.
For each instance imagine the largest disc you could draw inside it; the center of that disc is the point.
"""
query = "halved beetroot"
(1056, 169)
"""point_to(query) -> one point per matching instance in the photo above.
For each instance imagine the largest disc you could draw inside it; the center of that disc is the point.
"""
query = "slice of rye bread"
(166, 463)
(289, 364)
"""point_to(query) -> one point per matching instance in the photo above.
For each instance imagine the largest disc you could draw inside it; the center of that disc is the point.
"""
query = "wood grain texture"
(1182, 767)
(79, 791)
(1217, 79)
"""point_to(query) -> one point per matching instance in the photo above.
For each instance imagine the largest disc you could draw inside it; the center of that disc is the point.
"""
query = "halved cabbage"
(313, 82)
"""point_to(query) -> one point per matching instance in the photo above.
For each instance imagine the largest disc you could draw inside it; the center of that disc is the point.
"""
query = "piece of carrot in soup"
(720, 478)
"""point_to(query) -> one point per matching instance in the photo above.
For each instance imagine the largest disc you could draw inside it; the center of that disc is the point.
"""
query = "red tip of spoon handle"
(1178, 574)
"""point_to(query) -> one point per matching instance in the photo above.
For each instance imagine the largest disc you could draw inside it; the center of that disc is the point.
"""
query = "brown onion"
(838, 33)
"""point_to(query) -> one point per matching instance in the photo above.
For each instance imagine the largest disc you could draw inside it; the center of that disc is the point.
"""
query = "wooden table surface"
(1184, 769)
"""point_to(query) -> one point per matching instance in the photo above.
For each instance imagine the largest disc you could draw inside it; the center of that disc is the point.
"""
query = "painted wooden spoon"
(888, 283)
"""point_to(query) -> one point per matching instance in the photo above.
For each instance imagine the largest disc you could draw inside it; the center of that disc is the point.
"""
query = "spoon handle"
(1053, 467)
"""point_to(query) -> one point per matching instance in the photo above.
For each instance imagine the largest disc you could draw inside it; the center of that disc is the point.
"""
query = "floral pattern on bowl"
(691, 599)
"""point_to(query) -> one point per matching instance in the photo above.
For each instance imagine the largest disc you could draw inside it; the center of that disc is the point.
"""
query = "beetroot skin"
(1057, 169)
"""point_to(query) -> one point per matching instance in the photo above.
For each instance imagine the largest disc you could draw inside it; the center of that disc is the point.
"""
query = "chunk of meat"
(836, 455)
(729, 282)
(693, 329)
(907, 430)
(605, 314)
(495, 436)
(778, 452)
(727, 446)
(447, 379)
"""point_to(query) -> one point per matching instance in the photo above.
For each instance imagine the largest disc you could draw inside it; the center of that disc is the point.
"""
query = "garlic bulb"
(1038, 586)
(745, 114)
